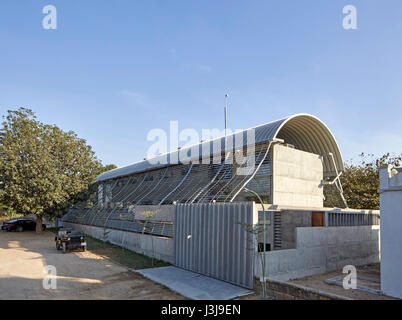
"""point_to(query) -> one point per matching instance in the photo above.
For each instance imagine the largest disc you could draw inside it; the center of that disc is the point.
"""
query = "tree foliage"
(108, 167)
(42, 168)
(360, 182)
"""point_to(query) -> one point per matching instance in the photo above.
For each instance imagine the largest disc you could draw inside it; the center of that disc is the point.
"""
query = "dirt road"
(80, 275)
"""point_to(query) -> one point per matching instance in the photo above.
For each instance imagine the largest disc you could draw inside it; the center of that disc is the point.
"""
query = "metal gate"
(215, 239)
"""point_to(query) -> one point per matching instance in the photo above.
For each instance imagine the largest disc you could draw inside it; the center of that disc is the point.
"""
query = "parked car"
(20, 225)
(69, 239)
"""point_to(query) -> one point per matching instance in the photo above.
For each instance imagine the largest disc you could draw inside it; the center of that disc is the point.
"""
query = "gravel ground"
(80, 275)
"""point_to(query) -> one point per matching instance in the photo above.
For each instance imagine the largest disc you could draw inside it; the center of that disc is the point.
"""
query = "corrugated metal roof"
(306, 132)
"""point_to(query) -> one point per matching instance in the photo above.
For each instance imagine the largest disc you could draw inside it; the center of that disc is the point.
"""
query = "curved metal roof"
(306, 132)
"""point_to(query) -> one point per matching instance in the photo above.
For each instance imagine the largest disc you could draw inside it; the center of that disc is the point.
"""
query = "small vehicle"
(20, 225)
(70, 239)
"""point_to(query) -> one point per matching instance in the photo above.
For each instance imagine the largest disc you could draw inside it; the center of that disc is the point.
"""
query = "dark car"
(20, 225)
(70, 239)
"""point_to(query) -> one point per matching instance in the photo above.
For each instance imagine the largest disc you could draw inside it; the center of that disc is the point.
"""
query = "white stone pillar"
(391, 230)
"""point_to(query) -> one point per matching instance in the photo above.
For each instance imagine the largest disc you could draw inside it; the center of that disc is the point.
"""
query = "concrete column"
(391, 225)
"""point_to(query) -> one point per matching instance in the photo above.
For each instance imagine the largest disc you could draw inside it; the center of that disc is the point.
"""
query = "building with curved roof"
(194, 207)
(284, 162)
(304, 131)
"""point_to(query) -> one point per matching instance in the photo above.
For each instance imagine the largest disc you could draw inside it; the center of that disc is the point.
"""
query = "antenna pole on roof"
(226, 126)
(226, 115)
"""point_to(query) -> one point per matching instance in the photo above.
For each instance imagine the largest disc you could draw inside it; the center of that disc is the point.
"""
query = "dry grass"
(120, 255)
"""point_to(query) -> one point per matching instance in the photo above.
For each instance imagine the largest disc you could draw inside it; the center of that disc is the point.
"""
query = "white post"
(391, 225)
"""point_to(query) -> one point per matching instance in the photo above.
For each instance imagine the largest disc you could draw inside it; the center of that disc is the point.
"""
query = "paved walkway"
(193, 285)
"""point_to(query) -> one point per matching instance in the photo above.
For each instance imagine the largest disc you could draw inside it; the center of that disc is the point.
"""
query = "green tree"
(88, 196)
(360, 182)
(7, 211)
(43, 170)
(108, 167)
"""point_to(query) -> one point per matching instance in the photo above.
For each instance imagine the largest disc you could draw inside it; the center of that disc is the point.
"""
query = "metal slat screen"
(112, 203)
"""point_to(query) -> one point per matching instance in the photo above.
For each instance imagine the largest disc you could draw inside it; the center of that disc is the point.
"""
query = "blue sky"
(113, 70)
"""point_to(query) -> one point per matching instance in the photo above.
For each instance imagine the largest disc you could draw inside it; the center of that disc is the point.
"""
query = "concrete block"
(333, 254)
(299, 238)
(297, 274)
(331, 265)
(319, 257)
(340, 236)
(300, 260)
(351, 251)
(316, 270)
(305, 236)
(331, 236)
(272, 267)
(366, 234)
(356, 234)
(283, 263)
(297, 175)
(319, 236)
(375, 234)
(375, 247)
(308, 257)
(306, 217)
(346, 234)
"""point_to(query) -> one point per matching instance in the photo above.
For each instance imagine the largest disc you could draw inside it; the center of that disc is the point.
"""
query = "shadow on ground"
(80, 275)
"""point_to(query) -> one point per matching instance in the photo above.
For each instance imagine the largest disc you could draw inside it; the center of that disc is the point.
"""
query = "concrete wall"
(320, 249)
(297, 177)
(391, 230)
(294, 217)
(290, 220)
(158, 247)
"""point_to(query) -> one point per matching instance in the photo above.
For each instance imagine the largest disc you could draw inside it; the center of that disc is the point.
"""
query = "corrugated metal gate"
(214, 239)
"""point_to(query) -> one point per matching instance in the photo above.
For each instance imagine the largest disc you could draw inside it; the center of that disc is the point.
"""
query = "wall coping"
(274, 207)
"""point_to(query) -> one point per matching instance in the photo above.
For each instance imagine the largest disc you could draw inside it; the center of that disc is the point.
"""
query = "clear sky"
(113, 70)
